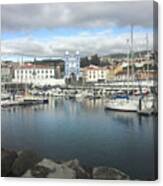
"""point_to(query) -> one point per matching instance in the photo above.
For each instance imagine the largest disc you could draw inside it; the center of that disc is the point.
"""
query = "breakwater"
(28, 164)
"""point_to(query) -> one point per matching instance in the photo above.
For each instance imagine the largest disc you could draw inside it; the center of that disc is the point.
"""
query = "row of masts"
(130, 53)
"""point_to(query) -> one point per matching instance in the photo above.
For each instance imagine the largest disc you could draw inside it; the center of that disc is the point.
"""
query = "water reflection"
(67, 129)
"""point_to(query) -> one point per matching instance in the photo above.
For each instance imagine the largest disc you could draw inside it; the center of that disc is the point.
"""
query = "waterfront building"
(94, 73)
(151, 75)
(72, 65)
(144, 70)
(36, 74)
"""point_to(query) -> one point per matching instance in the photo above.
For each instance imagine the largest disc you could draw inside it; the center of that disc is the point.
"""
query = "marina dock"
(24, 102)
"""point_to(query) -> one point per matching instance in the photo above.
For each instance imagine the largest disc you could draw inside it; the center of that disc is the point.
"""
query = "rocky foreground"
(29, 164)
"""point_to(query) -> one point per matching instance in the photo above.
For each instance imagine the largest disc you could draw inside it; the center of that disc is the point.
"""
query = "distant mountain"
(123, 55)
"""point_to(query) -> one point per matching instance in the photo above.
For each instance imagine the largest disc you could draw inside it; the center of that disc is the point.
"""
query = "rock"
(57, 170)
(109, 174)
(26, 160)
(50, 169)
(27, 174)
(62, 171)
(40, 171)
(7, 160)
(51, 165)
(36, 172)
(81, 173)
(29, 164)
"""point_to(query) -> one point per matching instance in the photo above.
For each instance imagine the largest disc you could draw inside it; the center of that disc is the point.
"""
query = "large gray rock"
(37, 171)
(81, 173)
(62, 171)
(7, 160)
(106, 173)
(58, 170)
(50, 169)
(26, 160)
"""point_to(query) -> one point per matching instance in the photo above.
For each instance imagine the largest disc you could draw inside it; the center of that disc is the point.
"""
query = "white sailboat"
(126, 103)
(130, 104)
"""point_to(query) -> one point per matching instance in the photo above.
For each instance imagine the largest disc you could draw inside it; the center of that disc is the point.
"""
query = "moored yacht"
(122, 103)
(130, 104)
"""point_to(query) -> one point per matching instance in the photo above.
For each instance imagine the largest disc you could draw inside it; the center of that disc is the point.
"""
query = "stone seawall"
(28, 164)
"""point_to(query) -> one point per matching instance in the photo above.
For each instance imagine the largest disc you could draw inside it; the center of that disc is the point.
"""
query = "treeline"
(94, 60)
(84, 61)
(51, 62)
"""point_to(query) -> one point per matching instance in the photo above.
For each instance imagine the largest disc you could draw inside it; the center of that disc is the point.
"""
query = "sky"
(48, 30)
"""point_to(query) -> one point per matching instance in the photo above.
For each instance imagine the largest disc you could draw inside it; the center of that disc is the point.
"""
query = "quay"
(24, 102)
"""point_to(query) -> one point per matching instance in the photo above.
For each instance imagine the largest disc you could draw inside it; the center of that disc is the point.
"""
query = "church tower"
(72, 65)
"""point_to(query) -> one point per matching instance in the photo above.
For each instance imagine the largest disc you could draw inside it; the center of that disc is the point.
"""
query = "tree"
(95, 60)
(84, 62)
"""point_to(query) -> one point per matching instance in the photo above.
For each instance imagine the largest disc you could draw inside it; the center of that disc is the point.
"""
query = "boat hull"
(120, 109)
(128, 105)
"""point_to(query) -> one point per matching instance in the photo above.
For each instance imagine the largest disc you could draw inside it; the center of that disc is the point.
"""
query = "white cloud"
(26, 18)
(101, 43)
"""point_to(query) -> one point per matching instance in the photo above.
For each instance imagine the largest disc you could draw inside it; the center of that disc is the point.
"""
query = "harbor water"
(68, 129)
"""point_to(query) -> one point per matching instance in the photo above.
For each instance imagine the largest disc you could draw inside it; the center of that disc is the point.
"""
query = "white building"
(36, 74)
(94, 73)
(72, 65)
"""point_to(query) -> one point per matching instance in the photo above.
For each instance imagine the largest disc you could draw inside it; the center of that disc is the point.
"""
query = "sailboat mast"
(147, 55)
(132, 54)
(128, 64)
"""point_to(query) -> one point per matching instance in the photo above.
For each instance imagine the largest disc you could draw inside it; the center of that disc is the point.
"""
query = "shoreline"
(28, 164)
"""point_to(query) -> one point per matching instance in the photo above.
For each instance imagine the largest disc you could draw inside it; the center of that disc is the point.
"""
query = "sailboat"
(122, 104)
(125, 103)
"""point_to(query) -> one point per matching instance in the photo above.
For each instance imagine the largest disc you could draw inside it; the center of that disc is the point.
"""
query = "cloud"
(102, 43)
(28, 17)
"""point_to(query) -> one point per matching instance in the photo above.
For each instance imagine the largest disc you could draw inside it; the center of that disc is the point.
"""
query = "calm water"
(66, 129)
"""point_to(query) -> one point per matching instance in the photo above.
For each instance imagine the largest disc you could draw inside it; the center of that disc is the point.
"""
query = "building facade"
(94, 73)
(72, 65)
(36, 74)
(31, 72)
